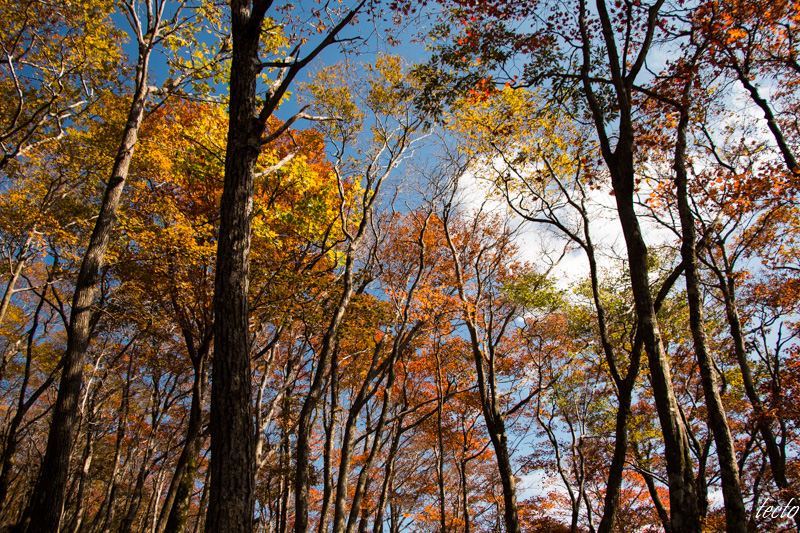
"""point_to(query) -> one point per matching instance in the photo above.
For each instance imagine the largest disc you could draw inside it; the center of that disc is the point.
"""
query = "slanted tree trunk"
(663, 514)
(735, 512)
(330, 428)
(135, 503)
(23, 405)
(174, 512)
(16, 272)
(365, 394)
(619, 160)
(683, 497)
(388, 475)
(47, 502)
(777, 458)
(86, 463)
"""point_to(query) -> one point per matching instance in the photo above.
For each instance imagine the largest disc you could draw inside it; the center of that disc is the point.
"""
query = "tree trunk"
(11, 437)
(489, 398)
(174, 513)
(135, 503)
(232, 432)
(388, 475)
(462, 472)
(330, 428)
(304, 429)
(47, 501)
(199, 524)
(683, 497)
(440, 443)
(777, 459)
(735, 512)
(362, 485)
(16, 272)
(86, 464)
(497, 432)
(619, 160)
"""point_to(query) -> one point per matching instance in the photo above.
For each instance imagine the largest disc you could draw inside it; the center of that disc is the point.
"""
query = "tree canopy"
(504, 266)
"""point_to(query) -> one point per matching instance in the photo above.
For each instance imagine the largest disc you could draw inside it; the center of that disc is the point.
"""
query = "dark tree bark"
(174, 512)
(330, 427)
(776, 455)
(620, 162)
(388, 474)
(11, 437)
(486, 382)
(47, 501)
(735, 512)
(86, 463)
(232, 430)
(232, 433)
(186, 470)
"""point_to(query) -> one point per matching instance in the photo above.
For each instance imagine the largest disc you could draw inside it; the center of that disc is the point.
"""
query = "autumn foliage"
(542, 277)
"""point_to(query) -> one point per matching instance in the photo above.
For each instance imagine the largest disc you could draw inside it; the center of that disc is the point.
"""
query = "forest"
(449, 266)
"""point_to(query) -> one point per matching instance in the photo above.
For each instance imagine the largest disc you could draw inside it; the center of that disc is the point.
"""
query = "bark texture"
(47, 502)
(735, 512)
(231, 503)
(619, 160)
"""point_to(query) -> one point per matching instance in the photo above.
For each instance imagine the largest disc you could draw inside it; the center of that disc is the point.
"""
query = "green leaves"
(535, 292)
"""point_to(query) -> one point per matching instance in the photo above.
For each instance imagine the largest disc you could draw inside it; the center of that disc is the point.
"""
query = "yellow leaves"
(348, 94)
(196, 51)
(57, 58)
(297, 204)
(513, 129)
(735, 34)
(333, 98)
(385, 80)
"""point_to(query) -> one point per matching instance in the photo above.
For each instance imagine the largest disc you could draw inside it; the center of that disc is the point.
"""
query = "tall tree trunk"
(464, 489)
(624, 385)
(105, 515)
(200, 522)
(735, 512)
(304, 429)
(86, 463)
(365, 394)
(619, 160)
(11, 437)
(497, 432)
(126, 526)
(362, 486)
(777, 459)
(440, 443)
(388, 475)
(232, 432)
(683, 496)
(330, 428)
(489, 395)
(174, 513)
(47, 502)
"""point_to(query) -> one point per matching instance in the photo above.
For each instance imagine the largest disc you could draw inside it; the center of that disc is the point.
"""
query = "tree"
(491, 298)
(610, 49)
(151, 32)
(57, 60)
(387, 94)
